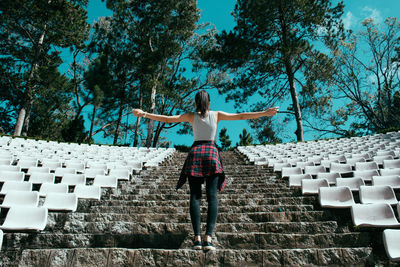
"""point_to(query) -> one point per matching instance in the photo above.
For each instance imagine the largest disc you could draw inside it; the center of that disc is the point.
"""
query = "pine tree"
(224, 139)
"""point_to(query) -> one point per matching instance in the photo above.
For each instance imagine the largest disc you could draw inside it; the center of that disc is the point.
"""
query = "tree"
(273, 52)
(224, 139)
(245, 138)
(31, 33)
(367, 81)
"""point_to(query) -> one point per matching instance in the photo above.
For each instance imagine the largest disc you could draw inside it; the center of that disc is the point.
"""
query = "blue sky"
(219, 14)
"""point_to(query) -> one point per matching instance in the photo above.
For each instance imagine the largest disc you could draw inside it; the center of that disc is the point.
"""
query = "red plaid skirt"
(203, 161)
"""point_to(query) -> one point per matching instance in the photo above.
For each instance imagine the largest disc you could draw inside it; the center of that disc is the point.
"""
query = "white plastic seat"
(52, 165)
(97, 165)
(386, 172)
(91, 173)
(59, 172)
(61, 201)
(330, 176)
(391, 241)
(295, 180)
(261, 161)
(78, 166)
(39, 178)
(1, 238)
(311, 186)
(374, 215)
(121, 174)
(366, 175)
(25, 218)
(353, 183)
(366, 156)
(6, 161)
(287, 171)
(52, 188)
(11, 176)
(135, 165)
(340, 168)
(314, 170)
(390, 180)
(278, 166)
(88, 191)
(20, 198)
(365, 166)
(73, 179)
(38, 169)
(377, 194)
(327, 163)
(17, 186)
(352, 161)
(336, 197)
(10, 168)
(303, 164)
(379, 159)
(391, 164)
(105, 181)
(386, 153)
(340, 158)
(27, 163)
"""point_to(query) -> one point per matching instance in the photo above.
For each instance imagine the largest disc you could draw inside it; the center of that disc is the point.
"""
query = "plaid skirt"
(203, 161)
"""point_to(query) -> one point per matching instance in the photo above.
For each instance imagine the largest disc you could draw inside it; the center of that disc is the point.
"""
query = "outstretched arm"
(223, 116)
(187, 117)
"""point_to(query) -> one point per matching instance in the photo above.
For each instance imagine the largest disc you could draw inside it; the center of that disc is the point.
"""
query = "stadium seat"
(379, 159)
(330, 176)
(73, 179)
(20, 198)
(295, 179)
(1, 238)
(287, 171)
(91, 173)
(97, 165)
(11, 176)
(391, 241)
(6, 161)
(25, 218)
(366, 175)
(15, 185)
(353, 183)
(38, 169)
(391, 164)
(52, 188)
(335, 197)
(39, 178)
(105, 181)
(390, 180)
(78, 166)
(352, 161)
(27, 163)
(377, 194)
(303, 164)
(88, 191)
(61, 201)
(311, 186)
(341, 168)
(10, 168)
(374, 215)
(59, 172)
(385, 172)
(121, 174)
(314, 170)
(277, 166)
(339, 158)
(366, 166)
(51, 164)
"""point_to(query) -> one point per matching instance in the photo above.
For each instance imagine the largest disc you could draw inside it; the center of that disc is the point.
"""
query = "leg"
(212, 199)
(195, 200)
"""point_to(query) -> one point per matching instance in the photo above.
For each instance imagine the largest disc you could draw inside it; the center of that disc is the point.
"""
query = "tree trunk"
(116, 133)
(137, 126)
(92, 122)
(160, 126)
(296, 106)
(20, 121)
(25, 127)
(150, 125)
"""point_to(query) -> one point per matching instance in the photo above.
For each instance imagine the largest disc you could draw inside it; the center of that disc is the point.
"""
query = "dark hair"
(202, 100)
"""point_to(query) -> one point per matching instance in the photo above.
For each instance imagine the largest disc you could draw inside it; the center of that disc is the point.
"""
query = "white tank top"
(205, 129)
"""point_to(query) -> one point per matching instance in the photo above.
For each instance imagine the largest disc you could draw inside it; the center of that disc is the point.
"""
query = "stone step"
(121, 227)
(256, 217)
(126, 200)
(93, 257)
(182, 240)
(129, 209)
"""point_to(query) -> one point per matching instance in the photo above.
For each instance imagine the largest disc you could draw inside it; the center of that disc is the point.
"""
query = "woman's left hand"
(138, 112)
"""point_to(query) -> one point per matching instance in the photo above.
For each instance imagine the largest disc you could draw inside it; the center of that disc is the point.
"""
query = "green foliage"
(224, 139)
(272, 53)
(182, 148)
(245, 138)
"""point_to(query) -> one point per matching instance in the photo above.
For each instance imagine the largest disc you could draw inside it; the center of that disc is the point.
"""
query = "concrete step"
(93, 257)
(221, 240)
(256, 217)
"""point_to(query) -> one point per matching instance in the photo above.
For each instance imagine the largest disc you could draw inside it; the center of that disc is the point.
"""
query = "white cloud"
(372, 13)
(348, 20)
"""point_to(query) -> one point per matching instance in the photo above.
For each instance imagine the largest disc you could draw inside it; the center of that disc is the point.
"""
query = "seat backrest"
(363, 166)
(38, 178)
(16, 185)
(21, 198)
(11, 176)
(50, 187)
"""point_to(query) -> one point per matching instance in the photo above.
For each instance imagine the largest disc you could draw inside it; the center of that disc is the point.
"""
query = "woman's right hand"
(272, 111)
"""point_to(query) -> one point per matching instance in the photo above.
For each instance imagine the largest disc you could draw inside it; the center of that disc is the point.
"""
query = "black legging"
(195, 200)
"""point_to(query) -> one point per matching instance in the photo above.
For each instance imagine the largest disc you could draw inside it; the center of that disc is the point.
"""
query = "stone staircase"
(145, 222)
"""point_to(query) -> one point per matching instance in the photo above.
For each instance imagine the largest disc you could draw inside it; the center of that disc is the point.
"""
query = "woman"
(203, 163)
